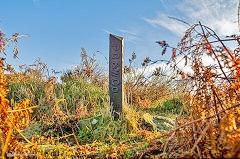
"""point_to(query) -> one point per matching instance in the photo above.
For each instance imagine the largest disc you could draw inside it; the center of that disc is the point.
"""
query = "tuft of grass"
(34, 129)
(79, 93)
(105, 130)
(173, 106)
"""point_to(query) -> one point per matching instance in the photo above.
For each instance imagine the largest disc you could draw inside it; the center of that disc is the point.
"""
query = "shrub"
(211, 130)
(145, 84)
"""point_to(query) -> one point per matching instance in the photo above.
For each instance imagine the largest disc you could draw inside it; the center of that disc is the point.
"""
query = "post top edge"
(118, 37)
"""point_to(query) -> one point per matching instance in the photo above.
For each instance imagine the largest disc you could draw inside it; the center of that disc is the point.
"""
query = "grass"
(73, 118)
(92, 124)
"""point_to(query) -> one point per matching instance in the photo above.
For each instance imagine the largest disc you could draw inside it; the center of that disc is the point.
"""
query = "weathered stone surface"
(116, 62)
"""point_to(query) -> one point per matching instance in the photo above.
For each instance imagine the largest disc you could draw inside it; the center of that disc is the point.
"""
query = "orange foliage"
(145, 103)
(211, 127)
(11, 119)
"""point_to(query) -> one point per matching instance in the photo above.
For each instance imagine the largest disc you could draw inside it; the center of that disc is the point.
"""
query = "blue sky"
(58, 29)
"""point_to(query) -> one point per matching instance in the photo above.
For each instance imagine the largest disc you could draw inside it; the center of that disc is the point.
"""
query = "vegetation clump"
(172, 106)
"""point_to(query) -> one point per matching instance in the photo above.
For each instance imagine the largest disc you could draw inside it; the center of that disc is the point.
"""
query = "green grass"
(97, 125)
(77, 93)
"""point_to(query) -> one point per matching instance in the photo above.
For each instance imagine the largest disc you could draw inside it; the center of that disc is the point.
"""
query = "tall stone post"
(116, 64)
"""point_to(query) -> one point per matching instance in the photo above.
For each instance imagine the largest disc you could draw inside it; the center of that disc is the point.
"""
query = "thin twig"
(239, 15)
(165, 145)
(199, 139)
(7, 141)
(221, 68)
(200, 119)
(194, 137)
(179, 20)
(62, 137)
(11, 111)
(74, 135)
(28, 141)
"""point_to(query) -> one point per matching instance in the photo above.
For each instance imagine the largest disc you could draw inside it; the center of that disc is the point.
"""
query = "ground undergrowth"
(45, 118)
(73, 119)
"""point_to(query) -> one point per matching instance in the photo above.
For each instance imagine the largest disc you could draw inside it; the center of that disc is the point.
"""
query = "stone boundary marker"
(116, 67)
